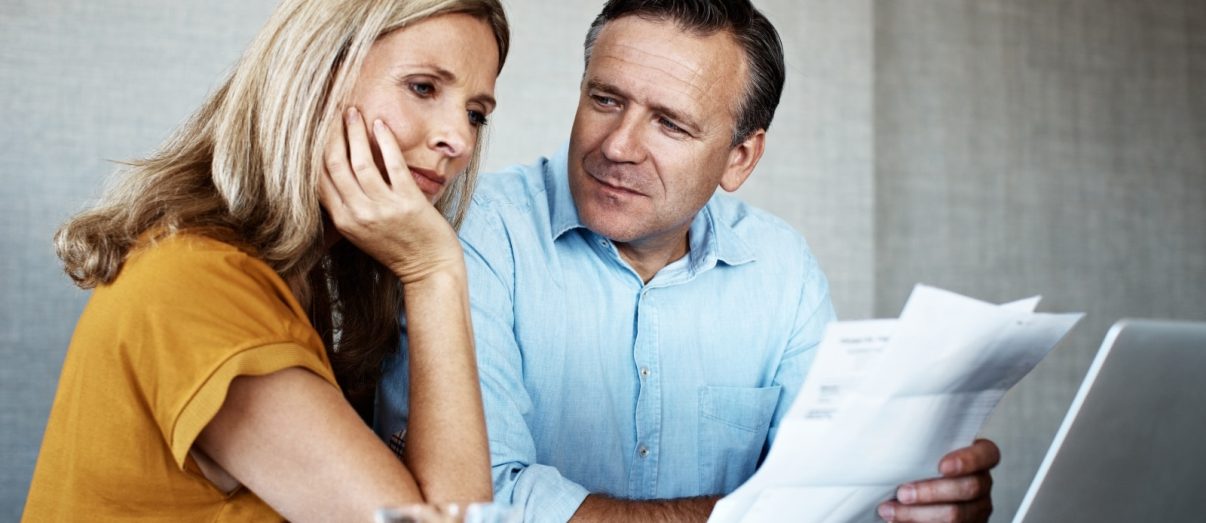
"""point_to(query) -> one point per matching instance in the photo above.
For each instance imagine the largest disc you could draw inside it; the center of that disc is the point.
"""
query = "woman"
(204, 378)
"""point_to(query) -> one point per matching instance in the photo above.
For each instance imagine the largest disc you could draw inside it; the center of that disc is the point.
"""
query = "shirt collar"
(563, 214)
(710, 241)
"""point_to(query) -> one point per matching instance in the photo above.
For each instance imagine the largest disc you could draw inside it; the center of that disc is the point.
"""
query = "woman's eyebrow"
(451, 77)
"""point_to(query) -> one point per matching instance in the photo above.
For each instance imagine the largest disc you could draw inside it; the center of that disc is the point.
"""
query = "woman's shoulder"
(163, 246)
(214, 289)
(183, 253)
(197, 267)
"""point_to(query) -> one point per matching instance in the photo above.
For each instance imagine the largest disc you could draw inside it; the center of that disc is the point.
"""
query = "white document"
(886, 399)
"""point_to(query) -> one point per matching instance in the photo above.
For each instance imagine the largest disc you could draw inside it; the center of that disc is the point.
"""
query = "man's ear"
(743, 157)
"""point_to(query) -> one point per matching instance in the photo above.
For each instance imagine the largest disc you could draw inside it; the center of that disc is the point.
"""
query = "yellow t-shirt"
(148, 367)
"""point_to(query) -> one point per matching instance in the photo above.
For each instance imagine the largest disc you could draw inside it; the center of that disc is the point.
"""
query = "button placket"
(649, 406)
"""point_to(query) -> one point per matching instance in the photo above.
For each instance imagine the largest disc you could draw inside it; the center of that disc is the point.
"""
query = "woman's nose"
(451, 135)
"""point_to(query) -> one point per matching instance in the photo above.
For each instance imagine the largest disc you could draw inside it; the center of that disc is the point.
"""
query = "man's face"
(652, 136)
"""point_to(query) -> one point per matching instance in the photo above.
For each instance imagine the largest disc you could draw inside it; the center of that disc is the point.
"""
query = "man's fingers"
(976, 511)
(962, 494)
(980, 456)
(945, 490)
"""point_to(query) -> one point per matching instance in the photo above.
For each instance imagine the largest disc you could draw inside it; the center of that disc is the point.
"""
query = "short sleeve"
(205, 402)
(192, 314)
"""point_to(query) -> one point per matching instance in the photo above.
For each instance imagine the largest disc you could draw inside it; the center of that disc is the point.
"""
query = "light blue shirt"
(594, 381)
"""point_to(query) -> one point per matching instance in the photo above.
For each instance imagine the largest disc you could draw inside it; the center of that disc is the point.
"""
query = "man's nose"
(623, 143)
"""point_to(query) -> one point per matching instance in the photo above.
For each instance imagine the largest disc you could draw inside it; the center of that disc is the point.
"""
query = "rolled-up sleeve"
(814, 312)
(540, 490)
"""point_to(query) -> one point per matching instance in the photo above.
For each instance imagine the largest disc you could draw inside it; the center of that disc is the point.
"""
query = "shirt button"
(644, 452)
(645, 372)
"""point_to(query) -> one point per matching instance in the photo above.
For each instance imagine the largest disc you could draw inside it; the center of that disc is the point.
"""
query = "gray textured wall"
(1037, 147)
(996, 147)
(85, 83)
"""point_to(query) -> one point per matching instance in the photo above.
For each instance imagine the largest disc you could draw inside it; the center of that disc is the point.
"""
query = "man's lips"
(614, 187)
(430, 182)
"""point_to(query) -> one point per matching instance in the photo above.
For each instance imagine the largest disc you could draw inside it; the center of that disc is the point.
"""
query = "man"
(639, 337)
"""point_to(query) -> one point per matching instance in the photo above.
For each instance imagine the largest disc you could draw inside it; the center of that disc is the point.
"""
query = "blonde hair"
(244, 169)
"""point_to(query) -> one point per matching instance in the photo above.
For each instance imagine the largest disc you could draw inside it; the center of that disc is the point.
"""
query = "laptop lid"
(1133, 444)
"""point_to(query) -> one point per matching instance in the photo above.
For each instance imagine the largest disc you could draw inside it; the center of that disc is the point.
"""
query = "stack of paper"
(886, 399)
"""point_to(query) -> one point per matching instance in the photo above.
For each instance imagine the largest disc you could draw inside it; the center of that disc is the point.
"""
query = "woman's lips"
(430, 182)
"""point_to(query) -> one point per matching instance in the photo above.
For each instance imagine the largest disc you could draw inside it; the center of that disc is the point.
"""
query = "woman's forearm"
(446, 446)
(290, 437)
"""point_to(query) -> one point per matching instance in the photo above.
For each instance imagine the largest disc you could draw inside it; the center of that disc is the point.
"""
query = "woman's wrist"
(447, 277)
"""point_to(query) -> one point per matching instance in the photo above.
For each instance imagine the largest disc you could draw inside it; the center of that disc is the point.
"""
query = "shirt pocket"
(733, 423)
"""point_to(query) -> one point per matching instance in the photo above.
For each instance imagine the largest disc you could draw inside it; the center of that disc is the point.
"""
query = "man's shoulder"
(783, 260)
(517, 186)
(511, 201)
(755, 226)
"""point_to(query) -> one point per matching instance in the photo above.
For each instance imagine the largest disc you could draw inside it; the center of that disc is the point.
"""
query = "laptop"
(1132, 447)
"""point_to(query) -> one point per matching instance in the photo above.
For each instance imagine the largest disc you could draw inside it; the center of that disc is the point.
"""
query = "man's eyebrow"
(603, 86)
(450, 77)
(685, 121)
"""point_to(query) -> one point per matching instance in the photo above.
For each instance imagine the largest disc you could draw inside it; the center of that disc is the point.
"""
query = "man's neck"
(648, 256)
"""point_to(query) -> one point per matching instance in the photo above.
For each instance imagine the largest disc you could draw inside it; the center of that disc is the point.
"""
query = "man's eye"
(670, 126)
(605, 101)
(477, 119)
(422, 89)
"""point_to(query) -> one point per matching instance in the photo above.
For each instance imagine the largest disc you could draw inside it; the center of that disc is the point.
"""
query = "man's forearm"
(597, 507)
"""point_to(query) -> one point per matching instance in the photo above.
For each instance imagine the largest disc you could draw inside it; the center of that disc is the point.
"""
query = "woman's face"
(432, 83)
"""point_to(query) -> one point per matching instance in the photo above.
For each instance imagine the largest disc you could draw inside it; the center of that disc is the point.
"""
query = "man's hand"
(963, 493)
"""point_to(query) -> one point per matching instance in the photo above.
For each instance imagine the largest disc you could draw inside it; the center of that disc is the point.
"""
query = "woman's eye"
(477, 119)
(422, 89)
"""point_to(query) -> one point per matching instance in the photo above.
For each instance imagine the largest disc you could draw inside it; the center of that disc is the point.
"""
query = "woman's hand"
(393, 222)
(446, 446)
